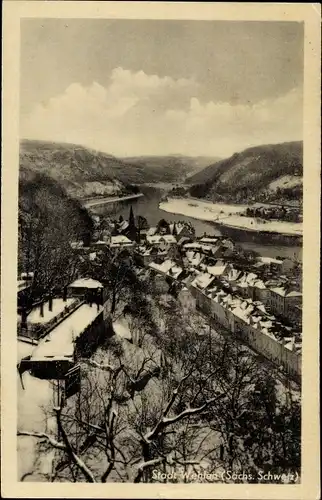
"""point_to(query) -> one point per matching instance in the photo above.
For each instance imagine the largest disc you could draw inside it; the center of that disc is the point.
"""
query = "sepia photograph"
(160, 234)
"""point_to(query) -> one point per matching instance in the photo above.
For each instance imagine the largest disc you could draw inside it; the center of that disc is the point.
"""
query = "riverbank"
(115, 199)
(150, 205)
(224, 215)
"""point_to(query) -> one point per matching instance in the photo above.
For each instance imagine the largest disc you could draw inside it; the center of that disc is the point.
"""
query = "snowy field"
(202, 210)
(291, 228)
(227, 215)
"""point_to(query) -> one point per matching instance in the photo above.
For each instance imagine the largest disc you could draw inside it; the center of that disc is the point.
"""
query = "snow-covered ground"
(24, 349)
(36, 396)
(33, 400)
(122, 328)
(58, 306)
(250, 223)
(202, 210)
(227, 215)
(59, 342)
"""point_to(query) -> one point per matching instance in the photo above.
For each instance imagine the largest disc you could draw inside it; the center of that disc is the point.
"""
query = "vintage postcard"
(160, 250)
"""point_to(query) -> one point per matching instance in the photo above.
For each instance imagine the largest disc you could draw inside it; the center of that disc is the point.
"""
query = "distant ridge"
(85, 172)
(270, 172)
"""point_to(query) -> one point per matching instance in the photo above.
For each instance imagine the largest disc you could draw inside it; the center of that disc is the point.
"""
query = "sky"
(136, 87)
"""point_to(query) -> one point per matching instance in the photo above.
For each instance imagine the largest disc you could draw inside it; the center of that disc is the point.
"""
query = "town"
(257, 300)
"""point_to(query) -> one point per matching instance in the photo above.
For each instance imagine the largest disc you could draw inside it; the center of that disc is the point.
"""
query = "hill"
(169, 168)
(263, 173)
(84, 172)
(81, 171)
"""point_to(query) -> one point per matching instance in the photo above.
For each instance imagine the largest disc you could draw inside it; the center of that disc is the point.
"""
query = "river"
(148, 207)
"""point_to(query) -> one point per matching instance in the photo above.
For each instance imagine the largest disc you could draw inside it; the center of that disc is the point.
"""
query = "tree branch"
(70, 451)
(143, 465)
(42, 435)
(165, 422)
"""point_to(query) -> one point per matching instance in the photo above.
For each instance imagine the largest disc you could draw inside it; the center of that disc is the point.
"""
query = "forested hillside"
(269, 172)
(49, 220)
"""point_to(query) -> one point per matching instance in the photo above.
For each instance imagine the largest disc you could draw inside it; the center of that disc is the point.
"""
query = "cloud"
(136, 113)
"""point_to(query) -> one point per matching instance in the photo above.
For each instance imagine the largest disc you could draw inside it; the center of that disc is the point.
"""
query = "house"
(233, 275)
(123, 226)
(161, 241)
(245, 284)
(81, 286)
(168, 268)
(145, 255)
(151, 231)
(287, 265)
(181, 230)
(228, 243)
(24, 285)
(105, 235)
(218, 250)
(219, 269)
(96, 220)
(194, 258)
(283, 300)
(261, 292)
(183, 240)
(121, 241)
(209, 240)
(294, 313)
(143, 235)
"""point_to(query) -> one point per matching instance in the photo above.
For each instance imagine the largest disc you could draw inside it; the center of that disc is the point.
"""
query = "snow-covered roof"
(279, 290)
(123, 225)
(218, 269)
(169, 238)
(260, 284)
(86, 283)
(175, 271)
(158, 238)
(233, 274)
(167, 267)
(294, 293)
(101, 242)
(196, 259)
(192, 245)
(202, 280)
(183, 239)
(120, 239)
(209, 239)
(151, 231)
